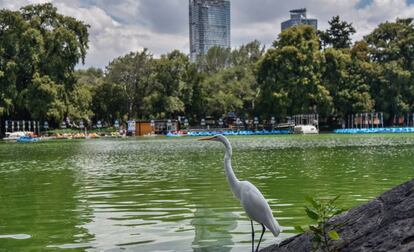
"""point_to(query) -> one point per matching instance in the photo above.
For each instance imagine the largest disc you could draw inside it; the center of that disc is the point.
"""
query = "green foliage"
(170, 71)
(153, 88)
(247, 54)
(42, 99)
(135, 74)
(109, 102)
(320, 211)
(231, 87)
(80, 103)
(289, 75)
(228, 91)
(348, 83)
(217, 58)
(39, 49)
(338, 35)
(390, 48)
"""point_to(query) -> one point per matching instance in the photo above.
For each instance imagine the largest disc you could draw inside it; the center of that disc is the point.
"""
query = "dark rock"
(383, 224)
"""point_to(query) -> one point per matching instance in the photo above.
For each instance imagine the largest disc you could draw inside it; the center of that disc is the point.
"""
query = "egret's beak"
(207, 138)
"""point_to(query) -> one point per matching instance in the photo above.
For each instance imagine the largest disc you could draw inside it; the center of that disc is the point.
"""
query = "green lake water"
(171, 194)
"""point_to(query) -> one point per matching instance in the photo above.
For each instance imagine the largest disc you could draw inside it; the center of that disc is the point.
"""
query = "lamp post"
(169, 125)
(81, 125)
(272, 122)
(152, 123)
(221, 123)
(6, 125)
(238, 123)
(34, 127)
(256, 122)
(99, 126)
(203, 122)
(46, 126)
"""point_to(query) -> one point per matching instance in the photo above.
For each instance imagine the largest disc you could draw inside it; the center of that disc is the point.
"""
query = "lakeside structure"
(209, 22)
(298, 17)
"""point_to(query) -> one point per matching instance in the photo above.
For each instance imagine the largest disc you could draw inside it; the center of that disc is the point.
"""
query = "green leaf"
(316, 230)
(312, 213)
(312, 202)
(299, 229)
(333, 235)
(338, 211)
(334, 199)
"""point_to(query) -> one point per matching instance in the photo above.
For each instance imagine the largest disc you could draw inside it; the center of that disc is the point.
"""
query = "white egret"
(251, 199)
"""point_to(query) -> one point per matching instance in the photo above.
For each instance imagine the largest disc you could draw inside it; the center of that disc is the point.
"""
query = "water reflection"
(39, 200)
(172, 195)
(213, 229)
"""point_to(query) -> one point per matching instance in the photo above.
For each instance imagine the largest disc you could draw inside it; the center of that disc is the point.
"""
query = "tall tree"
(338, 35)
(192, 95)
(390, 47)
(135, 73)
(13, 77)
(230, 90)
(348, 82)
(65, 41)
(41, 99)
(247, 54)
(37, 43)
(289, 75)
(108, 102)
(393, 41)
(170, 71)
(217, 58)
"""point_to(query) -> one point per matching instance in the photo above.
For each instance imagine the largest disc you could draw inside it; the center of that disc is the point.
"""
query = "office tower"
(298, 17)
(209, 25)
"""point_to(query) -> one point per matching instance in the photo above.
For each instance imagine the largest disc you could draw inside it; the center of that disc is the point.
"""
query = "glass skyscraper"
(298, 17)
(209, 25)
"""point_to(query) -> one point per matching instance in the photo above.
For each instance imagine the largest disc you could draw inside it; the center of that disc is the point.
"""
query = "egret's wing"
(257, 207)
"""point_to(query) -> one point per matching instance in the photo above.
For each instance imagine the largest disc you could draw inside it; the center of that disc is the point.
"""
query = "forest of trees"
(304, 71)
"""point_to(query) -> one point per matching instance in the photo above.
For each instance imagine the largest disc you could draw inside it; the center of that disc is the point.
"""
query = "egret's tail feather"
(274, 228)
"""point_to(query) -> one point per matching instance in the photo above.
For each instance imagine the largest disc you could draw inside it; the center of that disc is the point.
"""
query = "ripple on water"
(16, 236)
(146, 195)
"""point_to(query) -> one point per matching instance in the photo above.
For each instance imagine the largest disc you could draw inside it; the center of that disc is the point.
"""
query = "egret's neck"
(231, 177)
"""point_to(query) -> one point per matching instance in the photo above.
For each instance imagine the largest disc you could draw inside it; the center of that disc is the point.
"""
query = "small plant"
(320, 211)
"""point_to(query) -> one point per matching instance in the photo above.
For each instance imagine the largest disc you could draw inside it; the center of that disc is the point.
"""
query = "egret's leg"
(251, 222)
(264, 229)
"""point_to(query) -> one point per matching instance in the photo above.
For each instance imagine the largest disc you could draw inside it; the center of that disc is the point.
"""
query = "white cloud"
(365, 20)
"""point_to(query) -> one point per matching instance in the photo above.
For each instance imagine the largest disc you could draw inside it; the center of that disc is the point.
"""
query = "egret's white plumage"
(251, 199)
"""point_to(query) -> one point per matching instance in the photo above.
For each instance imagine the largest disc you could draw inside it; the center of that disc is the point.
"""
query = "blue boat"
(27, 139)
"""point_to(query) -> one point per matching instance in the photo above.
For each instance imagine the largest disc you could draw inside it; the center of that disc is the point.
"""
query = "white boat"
(305, 129)
(13, 136)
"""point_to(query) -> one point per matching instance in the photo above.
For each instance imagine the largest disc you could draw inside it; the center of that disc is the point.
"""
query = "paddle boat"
(305, 129)
(27, 139)
(13, 136)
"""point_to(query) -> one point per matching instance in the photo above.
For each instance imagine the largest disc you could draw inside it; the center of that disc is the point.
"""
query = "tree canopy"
(305, 71)
(338, 35)
(39, 49)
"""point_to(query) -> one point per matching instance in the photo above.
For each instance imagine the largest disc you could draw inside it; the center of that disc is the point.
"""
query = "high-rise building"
(209, 25)
(298, 17)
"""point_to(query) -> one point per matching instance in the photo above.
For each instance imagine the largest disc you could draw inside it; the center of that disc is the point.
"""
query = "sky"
(121, 26)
